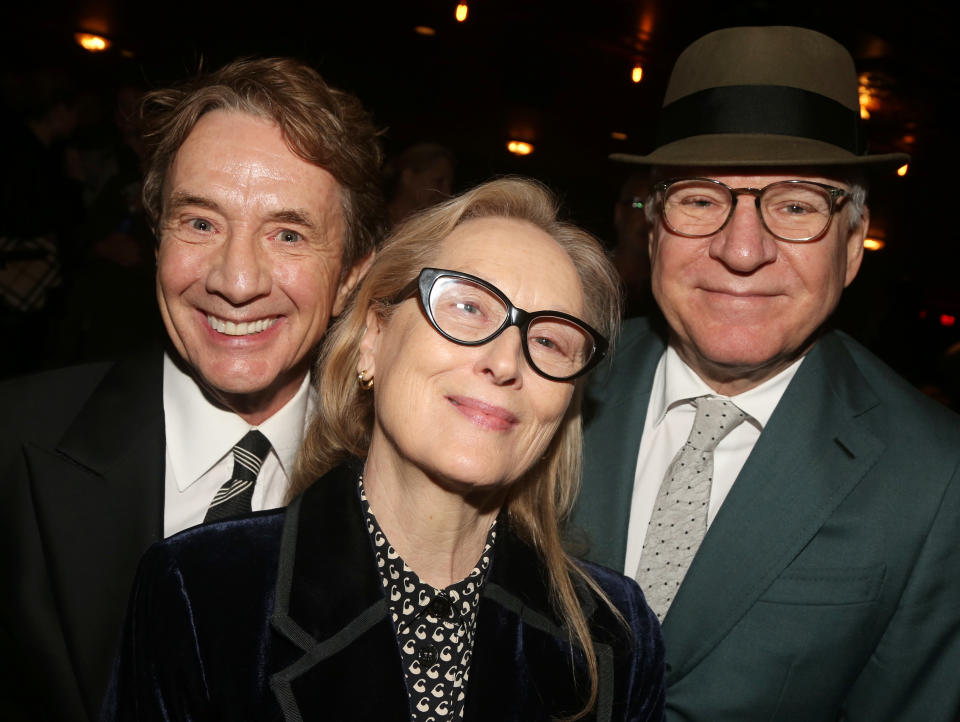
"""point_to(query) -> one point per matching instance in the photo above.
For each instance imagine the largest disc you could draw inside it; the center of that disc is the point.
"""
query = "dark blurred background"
(555, 75)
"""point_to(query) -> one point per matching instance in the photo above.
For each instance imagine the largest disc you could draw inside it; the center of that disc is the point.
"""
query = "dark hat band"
(760, 109)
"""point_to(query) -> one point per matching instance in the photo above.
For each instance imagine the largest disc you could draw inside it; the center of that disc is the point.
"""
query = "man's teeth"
(244, 328)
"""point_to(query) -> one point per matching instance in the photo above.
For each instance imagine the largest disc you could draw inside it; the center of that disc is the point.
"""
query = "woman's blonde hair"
(539, 500)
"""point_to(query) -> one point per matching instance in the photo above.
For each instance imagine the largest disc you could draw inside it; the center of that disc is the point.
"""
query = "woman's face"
(471, 416)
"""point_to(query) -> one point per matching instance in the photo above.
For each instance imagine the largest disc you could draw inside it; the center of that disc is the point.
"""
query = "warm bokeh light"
(636, 75)
(947, 320)
(519, 147)
(461, 13)
(91, 42)
(873, 244)
(866, 92)
(902, 170)
(617, 135)
(424, 30)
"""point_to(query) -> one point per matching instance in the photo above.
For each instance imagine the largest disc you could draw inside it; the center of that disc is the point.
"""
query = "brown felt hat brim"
(743, 150)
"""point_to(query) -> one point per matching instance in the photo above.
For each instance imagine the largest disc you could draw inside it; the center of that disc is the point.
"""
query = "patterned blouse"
(435, 627)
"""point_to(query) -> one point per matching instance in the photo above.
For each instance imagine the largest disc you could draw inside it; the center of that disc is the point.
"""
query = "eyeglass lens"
(471, 313)
(791, 211)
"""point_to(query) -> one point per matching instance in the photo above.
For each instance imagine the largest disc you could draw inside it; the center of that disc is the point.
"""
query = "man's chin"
(246, 376)
(249, 390)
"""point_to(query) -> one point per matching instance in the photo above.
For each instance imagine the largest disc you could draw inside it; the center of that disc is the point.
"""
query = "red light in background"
(923, 314)
(947, 320)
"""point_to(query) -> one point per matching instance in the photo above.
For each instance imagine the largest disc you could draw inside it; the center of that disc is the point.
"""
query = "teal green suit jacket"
(828, 585)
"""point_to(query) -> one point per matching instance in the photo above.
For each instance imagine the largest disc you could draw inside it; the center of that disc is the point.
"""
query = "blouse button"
(440, 607)
(427, 654)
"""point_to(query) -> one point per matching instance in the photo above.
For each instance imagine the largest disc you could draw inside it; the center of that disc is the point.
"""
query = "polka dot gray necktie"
(235, 496)
(679, 519)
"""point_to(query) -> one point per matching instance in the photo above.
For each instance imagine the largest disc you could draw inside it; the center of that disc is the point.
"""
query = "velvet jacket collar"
(281, 615)
(329, 604)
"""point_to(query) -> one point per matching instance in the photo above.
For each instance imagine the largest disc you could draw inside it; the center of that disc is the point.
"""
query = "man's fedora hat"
(762, 96)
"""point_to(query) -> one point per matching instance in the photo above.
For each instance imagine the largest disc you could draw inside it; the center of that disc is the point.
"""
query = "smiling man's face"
(743, 305)
(249, 261)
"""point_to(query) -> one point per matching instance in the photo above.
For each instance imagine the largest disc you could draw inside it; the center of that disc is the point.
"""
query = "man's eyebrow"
(295, 216)
(298, 216)
(179, 199)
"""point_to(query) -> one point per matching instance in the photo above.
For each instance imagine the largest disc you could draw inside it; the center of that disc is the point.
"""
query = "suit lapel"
(99, 504)
(329, 605)
(810, 456)
(329, 602)
(614, 412)
(520, 668)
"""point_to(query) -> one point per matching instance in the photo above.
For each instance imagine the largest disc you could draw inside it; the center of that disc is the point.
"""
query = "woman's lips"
(483, 414)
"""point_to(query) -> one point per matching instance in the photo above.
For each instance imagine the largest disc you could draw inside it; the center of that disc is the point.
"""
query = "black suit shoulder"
(81, 496)
(39, 407)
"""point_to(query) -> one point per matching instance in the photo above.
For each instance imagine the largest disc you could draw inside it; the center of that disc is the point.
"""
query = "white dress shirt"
(200, 437)
(670, 415)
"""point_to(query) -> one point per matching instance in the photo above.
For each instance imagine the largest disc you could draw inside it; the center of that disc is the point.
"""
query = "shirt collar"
(199, 433)
(675, 383)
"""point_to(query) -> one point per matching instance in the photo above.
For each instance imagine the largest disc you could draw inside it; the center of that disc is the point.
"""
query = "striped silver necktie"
(235, 496)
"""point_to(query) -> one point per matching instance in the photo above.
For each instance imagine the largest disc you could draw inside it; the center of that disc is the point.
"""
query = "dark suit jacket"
(828, 585)
(281, 615)
(81, 497)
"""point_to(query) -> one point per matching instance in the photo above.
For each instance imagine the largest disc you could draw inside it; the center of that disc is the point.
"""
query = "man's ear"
(369, 344)
(350, 281)
(652, 240)
(855, 247)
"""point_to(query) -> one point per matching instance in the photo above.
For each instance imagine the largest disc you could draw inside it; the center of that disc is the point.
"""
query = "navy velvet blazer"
(281, 615)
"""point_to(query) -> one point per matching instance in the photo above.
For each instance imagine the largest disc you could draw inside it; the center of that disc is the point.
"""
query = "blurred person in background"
(419, 177)
(631, 255)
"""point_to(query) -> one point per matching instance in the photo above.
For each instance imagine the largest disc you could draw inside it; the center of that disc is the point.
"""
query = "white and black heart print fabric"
(434, 627)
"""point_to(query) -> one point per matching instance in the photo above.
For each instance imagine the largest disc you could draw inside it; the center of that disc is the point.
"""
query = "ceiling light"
(90, 41)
